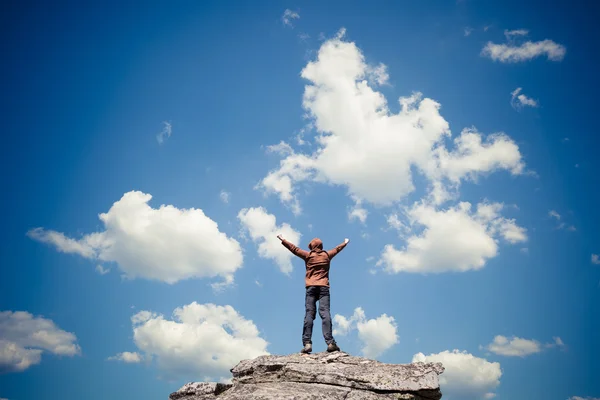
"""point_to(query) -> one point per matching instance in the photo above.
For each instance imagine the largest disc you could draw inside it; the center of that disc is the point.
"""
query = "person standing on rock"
(317, 263)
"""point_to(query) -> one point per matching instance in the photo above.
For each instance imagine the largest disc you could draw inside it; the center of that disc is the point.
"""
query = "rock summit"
(330, 376)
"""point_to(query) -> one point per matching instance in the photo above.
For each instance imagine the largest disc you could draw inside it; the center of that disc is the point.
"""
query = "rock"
(321, 376)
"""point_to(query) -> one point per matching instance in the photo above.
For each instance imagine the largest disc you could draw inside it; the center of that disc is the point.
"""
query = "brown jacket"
(317, 260)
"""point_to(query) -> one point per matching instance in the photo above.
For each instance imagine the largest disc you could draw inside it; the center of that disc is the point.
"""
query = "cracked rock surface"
(320, 376)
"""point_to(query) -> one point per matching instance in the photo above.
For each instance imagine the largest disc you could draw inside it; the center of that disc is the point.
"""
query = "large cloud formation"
(166, 244)
(372, 151)
(23, 339)
(465, 376)
(202, 340)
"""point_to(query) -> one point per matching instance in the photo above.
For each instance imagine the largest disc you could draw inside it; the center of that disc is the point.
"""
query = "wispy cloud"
(554, 214)
(595, 259)
(127, 357)
(101, 270)
(511, 52)
(165, 133)
(561, 224)
(518, 100)
(468, 30)
(516, 32)
(288, 16)
(224, 196)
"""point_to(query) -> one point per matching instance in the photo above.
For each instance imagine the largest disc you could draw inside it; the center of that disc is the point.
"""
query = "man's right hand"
(346, 240)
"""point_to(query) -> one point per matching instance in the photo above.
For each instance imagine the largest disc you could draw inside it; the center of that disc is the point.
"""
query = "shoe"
(331, 347)
(307, 348)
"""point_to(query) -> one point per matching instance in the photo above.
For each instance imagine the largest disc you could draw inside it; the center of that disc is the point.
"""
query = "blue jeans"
(314, 294)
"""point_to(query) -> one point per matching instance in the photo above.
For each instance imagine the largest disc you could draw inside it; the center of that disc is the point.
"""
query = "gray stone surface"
(321, 376)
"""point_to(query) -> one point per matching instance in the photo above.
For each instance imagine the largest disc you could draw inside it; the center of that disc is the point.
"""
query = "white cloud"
(394, 222)
(101, 270)
(62, 243)
(519, 100)
(519, 347)
(554, 214)
(515, 346)
(281, 148)
(465, 376)
(127, 357)
(23, 339)
(517, 32)
(468, 31)
(363, 146)
(510, 52)
(224, 196)
(455, 239)
(358, 212)
(165, 133)
(167, 244)
(263, 230)
(377, 335)
(595, 259)
(288, 16)
(204, 340)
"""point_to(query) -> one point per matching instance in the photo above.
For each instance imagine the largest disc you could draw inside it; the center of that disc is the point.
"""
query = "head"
(316, 243)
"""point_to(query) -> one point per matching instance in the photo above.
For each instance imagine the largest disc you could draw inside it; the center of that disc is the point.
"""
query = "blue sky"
(151, 154)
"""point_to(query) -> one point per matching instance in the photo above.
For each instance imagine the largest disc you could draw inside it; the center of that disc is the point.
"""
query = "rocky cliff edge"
(329, 376)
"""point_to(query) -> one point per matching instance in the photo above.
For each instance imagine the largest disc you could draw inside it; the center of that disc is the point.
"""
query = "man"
(317, 288)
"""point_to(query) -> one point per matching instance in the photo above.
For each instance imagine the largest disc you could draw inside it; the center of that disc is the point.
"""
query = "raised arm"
(333, 252)
(303, 254)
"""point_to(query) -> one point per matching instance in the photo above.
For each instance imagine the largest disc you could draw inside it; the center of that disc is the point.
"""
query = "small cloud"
(101, 270)
(529, 50)
(562, 225)
(224, 196)
(486, 28)
(165, 133)
(304, 36)
(517, 32)
(358, 212)
(468, 31)
(258, 283)
(595, 259)
(377, 335)
(554, 214)
(281, 148)
(519, 347)
(288, 16)
(565, 140)
(519, 100)
(557, 342)
(525, 250)
(127, 357)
